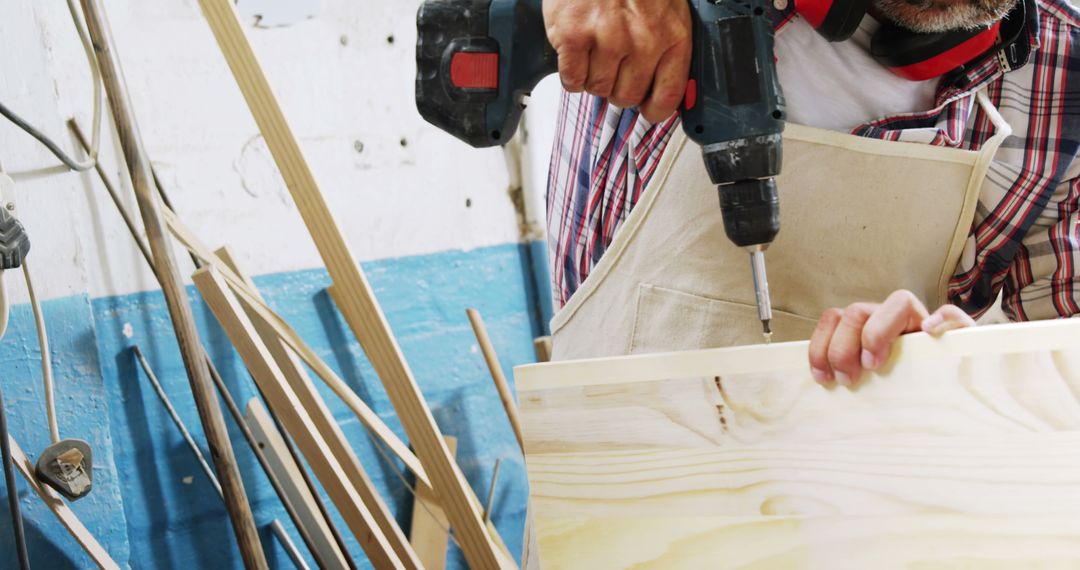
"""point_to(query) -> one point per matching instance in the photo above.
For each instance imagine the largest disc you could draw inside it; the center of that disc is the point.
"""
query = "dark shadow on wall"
(341, 338)
(537, 282)
(206, 541)
(42, 551)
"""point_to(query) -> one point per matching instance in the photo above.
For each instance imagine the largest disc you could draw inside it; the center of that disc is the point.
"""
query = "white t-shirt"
(839, 86)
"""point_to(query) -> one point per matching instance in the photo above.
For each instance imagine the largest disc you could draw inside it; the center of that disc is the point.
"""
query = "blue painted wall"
(152, 507)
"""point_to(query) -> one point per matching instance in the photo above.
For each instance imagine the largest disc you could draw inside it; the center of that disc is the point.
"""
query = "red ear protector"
(913, 55)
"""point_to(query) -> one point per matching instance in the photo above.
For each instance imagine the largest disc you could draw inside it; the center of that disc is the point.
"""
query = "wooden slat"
(429, 524)
(954, 453)
(297, 345)
(59, 508)
(289, 336)
(292, 415)
(358, 306)
(497, 376)
(251, 300)
(165, 268)
(542, 347)
(324, 421)
(288, 473)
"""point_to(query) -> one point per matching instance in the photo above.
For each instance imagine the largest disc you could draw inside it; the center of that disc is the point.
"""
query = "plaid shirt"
(1024, 242)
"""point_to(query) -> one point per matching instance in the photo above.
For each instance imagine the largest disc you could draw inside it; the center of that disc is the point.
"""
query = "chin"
(934, 16)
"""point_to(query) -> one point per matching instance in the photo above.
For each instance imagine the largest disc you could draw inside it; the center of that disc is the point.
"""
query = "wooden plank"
(290, 411)
(324, 421)
(167, 273)
(59, 508)
(497, 376)
(358, 304)
(736, 454)
(429, 524)
(782, 542)
(288, 473)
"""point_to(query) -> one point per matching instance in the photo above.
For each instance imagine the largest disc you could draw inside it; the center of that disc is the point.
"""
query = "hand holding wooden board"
(963, 450)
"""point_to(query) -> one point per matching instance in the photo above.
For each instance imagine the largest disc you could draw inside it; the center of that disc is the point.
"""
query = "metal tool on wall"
(275, 525)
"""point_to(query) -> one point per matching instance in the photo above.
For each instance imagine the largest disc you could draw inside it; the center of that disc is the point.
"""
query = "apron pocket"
(669, 320)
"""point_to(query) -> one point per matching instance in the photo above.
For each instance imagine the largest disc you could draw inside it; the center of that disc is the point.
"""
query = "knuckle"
(573, 37)
(628, 96)
(831, 315)
(843, 356)
(667, 99)
(599, 86)
(852, 314)
(905, 296)
(873, 339)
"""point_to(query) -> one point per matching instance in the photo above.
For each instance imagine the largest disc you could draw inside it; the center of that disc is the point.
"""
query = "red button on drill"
(474, 70)
(691, 94)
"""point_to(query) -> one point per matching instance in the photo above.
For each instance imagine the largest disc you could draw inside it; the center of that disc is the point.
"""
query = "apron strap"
(1002, 131)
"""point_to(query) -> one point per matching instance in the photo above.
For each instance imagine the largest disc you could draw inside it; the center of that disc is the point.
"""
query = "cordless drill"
(478, 59)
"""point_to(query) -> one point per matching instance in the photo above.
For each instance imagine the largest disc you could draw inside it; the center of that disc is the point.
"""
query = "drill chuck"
(751, 211)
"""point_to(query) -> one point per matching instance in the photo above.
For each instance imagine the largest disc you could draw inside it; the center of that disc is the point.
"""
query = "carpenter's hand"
(847, 341)
(634, 52)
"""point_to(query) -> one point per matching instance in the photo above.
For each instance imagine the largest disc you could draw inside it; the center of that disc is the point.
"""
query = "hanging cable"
(95, 74)
(46, 358)
(12, 492)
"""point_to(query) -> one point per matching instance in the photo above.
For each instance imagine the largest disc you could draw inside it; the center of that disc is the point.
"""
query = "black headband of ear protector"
(914, 55)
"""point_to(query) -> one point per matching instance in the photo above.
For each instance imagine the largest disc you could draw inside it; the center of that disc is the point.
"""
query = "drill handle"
(476, 60)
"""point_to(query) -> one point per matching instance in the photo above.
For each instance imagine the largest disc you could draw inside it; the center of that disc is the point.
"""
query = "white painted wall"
(343, 84)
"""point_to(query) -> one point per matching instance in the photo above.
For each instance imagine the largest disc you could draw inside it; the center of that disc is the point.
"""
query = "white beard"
(932, 16)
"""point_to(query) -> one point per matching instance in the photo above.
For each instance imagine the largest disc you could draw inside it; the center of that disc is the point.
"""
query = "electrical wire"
(95, 73)
(4, 309)
(12, 492)
(46, 358)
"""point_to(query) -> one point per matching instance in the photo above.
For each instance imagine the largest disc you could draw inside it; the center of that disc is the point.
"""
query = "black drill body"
(734, 107)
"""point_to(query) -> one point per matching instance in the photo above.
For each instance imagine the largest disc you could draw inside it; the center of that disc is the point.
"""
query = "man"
(624, 65)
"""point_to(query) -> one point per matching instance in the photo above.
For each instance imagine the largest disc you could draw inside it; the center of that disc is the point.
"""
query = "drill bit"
(761, 289)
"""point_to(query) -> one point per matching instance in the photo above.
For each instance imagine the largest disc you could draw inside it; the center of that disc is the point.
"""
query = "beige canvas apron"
(860, 218)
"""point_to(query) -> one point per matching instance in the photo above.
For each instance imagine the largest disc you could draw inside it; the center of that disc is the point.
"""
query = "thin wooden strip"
(288, 335)
(542, 347)
(1011, 338)
(497, 375)
(324, 421)
(285, 332)
(492, 531)
(462, 506)
(62, 511)
(291, 413)
(288, 473)
(357, 301)
(165, 268)
(429, 524)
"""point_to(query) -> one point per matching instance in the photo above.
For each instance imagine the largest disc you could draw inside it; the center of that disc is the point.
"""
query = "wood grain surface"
(963, 452)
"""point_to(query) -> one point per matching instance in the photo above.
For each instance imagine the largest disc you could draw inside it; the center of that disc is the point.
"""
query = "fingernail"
(932, 322)
(819, 375)
(869, 362)
(843, 379)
